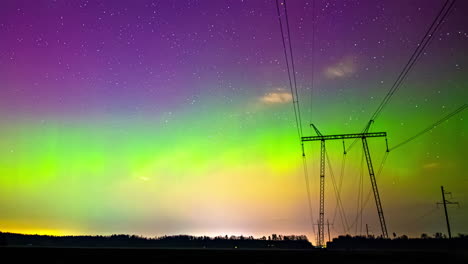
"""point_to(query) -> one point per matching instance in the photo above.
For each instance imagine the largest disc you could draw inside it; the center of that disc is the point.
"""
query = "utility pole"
(318, 235)
(363, 137)
(328, 229)
(445, 202)
(367, 230)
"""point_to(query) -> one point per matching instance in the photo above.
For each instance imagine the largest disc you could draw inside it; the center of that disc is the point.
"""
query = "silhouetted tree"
(3, 240)
(119, 240)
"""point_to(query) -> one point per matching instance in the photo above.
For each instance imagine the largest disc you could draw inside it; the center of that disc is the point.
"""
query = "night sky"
(175, 117)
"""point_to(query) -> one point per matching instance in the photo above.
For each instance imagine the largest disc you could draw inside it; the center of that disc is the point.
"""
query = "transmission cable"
(306, 176)
(295, 96)
(435, 25)
(293, 89)
(344, 221)
(340, 184)
(312, 59)
(429, 128)
(416, 55)
(379, 172)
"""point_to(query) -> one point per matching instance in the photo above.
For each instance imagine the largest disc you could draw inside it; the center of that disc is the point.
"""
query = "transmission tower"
(363, 137)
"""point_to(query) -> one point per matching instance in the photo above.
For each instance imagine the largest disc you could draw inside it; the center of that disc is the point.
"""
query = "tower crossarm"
(344, 136)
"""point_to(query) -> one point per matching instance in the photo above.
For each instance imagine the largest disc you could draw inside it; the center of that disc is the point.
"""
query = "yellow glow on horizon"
(39, 231)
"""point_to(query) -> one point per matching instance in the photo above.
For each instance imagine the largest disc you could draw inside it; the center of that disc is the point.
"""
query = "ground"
(146, 255)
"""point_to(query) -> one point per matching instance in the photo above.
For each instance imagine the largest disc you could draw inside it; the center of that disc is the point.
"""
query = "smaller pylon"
(445, 202)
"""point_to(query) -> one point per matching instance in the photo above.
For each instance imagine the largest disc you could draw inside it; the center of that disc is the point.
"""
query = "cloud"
(143, 178)
(432, 165)
(280, 96)
(344, 68)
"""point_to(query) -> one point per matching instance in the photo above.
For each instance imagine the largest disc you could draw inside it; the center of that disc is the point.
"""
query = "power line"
(343, 164)
(416, 55)
(429, 128)
(313, 59)
(340, 184)
(306, 176)
(435, 25)
(422, 216)
(360, 193)
(293, 94)
(295, 97)
(344, 221)
(379, 172)
(293, 67)
(384, 159)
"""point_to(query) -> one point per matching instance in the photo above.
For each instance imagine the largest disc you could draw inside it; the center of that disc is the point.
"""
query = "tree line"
(124, 240)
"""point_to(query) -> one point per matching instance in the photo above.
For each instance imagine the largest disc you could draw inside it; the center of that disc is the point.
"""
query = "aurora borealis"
(171, 117)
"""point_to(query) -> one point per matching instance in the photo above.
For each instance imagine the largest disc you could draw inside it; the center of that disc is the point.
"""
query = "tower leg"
(322, 194)
(374, 188)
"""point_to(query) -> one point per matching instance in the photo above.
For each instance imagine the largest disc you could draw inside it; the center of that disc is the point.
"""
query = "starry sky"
(175, 117)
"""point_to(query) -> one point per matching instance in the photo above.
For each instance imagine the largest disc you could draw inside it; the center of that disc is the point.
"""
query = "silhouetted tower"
(363, 137)
(321, 222)
(445, 202)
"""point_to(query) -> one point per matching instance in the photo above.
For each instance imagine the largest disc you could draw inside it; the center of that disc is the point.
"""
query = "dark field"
(142, 255)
